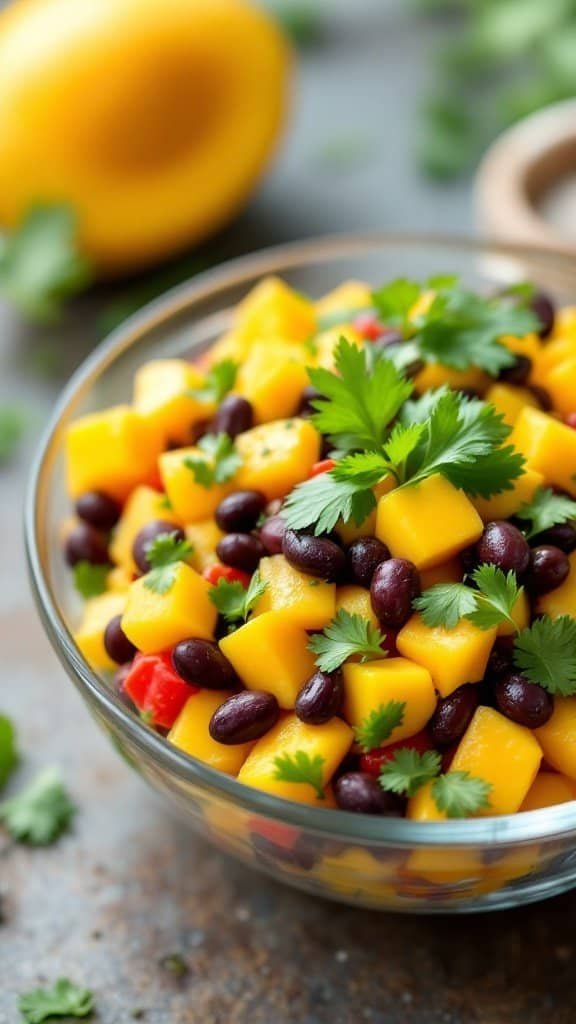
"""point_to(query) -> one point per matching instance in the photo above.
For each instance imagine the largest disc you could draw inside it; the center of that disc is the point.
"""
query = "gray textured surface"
(130, 886)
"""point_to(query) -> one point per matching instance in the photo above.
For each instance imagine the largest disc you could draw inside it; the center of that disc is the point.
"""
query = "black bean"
(98, 509)
(543, 307)
(364, 556)
(362, 794)
(239, 512)
(241, 551)
(234, 416)
(548, 569)
(317, 556)
(523, 702)
(305, 408)
(85, 544)
(320, 698)
(272, 534)
(154, 529)
(202, 663)
(562, 536)
(395, 585)
(542, 396)
(116, 643)
(453, 715)
(518, 372)
(501, 659)
(503, 545)
(244, 717)
(303, 854)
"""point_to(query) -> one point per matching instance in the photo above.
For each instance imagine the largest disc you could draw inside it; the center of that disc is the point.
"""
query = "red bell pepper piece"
(276, 832)
(156, 688)
(368, 326)
(225, 572)
(322, 467)
(372, 761)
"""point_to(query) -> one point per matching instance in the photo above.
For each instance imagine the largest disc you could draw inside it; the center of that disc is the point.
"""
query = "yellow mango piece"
(350, 295)
(502, 753)
(190, 733)
(305, 601)
(427, 523)
(356, 601)
(273, 310)
(191, 501)
(553, 353)
(530, 345)
(272, 378)
(521, 613)
(162, 396)
(558, 737)
(561, 386)
(441, 865)
(564, 324)
(549, 789)
(451, 571)
(89, 637)
(271, 653)
(155, 621)
(143, 505)
(561, 601)
(276, 456)
(204, 538)
(434, 375)
(369, 685)
(330, 742)
(548, 446)
(110, 451)
(509, 401)
(510, 865)
(230, 346)
(452, 656)
(325, 344)
(118, 580)
(502, 506)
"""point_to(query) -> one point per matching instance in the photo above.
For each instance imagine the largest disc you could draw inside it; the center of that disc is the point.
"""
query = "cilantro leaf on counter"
(545, 653)
(9, 756)
(39, 814)
(164, 554)
(379, 725)
(545, 510)
(408, 770)
(89, 579)
(459, 794)
(221, 462)
(64, 999)
(344, 636)
(300, 767)
(220, 379)
(489, 605)
(235, 602)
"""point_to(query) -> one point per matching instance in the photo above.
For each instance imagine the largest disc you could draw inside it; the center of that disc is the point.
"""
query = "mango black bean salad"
(334, 556)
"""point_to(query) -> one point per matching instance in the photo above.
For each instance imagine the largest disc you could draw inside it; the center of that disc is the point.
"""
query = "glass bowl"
(389, 864)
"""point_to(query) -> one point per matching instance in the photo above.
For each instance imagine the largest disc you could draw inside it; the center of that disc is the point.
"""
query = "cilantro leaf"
(395, 301)
(489, 605)
(233, 601)
(445, 604)
(300, 767)
(545, 653)
(221, 462)
(300, 19)
(346, 635)
(220, 379)
(39, 814)
(164, 554)
(323, 500)
(9, 756)
(408, 770)
(64, 999)
(545, 510)
(13, 423)
(40, 263)
(89, 579)
(459, 794)
(379, 725)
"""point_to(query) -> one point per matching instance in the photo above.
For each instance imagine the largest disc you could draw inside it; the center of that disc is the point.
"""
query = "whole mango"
(153, 119)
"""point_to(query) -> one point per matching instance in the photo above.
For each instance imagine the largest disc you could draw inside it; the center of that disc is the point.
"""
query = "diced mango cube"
(561, 601)
(561, 386)
(509, 401)
(325, 345)
(348, 297)
(506, 504)
(451, 571)
(369, 685)
(558, 737)
(549, 789)
(330, 742)
(548, 446)
(190, 500)
(435, 375)
(89, 636)
(110, 451)
(441, 865)
(277, 456)
(273, 377)
(427, 523)
(274, 310)
(306, 601)
(356, 601)
(154, 621)
(230, 346)
(452, 656)
(118, 580)
(163, 394)
(521, 613)
(271, 653)
(564, 323)
(555, 352)
(204, 538)
(143, 505)
(502, 753)
(530, 345)
(190, 733)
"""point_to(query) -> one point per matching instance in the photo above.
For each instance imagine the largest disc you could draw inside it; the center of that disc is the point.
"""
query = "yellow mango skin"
(558, 737)
(111, 451)
(441, 865)
(305, 601)
(521, 613)
(427, 523)
(502, 753)
(154, 621)
(449, 572)
(350, 295)
(161, 396)
(190, 733)
(502, 506)
(561, 601)
(356, 601)
(89, 637)
(330, 741)
(204, 538)
(274, 310)
(548, 446)
(367, 686)
(190, 501)
(509, 401)
(271, 653)
(153, 120)
(561, 386)
(453, 657)
(547, 790)
(272, 378)
(143, 505)
(276, 456)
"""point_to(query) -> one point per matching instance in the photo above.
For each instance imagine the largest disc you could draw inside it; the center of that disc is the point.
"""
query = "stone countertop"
(130, 886)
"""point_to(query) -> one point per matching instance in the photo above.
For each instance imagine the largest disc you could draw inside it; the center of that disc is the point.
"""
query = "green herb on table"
(408, 770)
(64, 999)
(301, 768)
(89, 579)
(545, 653)
(39, 814)
(344, 636)
(459, 794)
(546, 509)
(235, 602)
(165, 553)
(13, 423)
(219, 464)
(220, 379)
(379, 725)
(491, 604)
(9, 756)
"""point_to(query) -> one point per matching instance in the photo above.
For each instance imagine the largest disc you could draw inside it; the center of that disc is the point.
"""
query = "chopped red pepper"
(322, 467)
(156, 688)
(276, 832)
(372, 761)
(368, 326)
(225, 572)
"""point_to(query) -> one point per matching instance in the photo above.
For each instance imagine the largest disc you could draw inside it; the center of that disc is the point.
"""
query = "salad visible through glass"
(334, 555)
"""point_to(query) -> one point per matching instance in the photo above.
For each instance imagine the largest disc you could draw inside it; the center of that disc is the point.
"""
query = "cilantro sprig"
(344, 636)
(90, 580)
(164, 554)
(545, 653)
(9, 755)
(379, 725)
(217, 464)
(301, 768)
(491, 604)
(41, 812)
(64, 999)
(546, 509)
(408, 770)
(456, 793)
(235, 602)
(459, 794)
(220, 379)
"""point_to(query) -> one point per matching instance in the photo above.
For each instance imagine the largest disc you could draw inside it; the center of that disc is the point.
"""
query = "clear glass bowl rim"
(506, 829)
